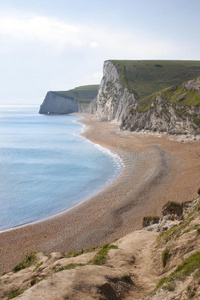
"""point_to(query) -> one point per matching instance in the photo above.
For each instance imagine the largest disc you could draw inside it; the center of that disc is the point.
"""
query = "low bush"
(165, 256)
(149, 220)
(28, 261)
(100, 257)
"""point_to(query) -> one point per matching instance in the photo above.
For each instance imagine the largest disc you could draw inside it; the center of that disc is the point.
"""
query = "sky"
(56, 45)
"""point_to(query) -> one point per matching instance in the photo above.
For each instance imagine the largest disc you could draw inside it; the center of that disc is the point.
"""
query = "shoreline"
(92, 194)
(152, 167)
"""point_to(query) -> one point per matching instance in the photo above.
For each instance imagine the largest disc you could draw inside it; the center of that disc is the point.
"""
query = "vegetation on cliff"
(177, 95)
(145, 77)
(82, 94)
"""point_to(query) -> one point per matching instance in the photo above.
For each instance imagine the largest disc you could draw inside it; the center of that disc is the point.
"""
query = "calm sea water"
(46, 167)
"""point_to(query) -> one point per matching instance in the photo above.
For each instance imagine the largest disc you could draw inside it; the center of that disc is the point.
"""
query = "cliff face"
(175, 110)
(57, 104)
(163, 117)
(112, 100)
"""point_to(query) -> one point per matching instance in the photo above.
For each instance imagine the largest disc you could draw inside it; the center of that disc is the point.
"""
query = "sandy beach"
(156, 170)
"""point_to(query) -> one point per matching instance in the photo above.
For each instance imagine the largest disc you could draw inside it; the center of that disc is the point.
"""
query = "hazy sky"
(60, 44)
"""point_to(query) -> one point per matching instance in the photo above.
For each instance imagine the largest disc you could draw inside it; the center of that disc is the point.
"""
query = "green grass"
(145, 103)
(68, 267)
(181, 97)
(197, 121)
(165, 256)
(146, 77)
(169, 287)
(14, 294)
(187, 267)
(101, 256)
(191, 228)
(27, 262)
(82, 94)
(83, 251)
(174, 232)
(38, 265)
(175, 95)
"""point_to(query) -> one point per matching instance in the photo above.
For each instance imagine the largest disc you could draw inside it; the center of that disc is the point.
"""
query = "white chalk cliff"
(55, 103)
(115, 102)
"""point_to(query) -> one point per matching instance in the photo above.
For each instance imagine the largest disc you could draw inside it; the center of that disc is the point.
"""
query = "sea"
(46, 166)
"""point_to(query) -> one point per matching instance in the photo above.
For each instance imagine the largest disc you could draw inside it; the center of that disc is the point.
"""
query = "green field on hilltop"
(145, 77)
(82, 94)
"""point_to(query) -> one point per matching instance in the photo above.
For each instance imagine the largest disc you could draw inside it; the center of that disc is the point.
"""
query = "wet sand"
(156, 170)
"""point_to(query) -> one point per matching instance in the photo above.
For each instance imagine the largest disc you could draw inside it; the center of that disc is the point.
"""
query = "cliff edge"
(65, 102)
(58, 104)
(159, 96)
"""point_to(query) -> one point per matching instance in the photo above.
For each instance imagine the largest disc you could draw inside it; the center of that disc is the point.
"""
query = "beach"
(156, 170)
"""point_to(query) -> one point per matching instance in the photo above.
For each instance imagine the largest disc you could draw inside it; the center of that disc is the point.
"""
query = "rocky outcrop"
(163, 116)
(55, 103)
(173, 214)
(112, 100)
(153, 113)
(192, 85)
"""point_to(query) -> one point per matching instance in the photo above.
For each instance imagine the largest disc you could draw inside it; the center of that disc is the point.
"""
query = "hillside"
(161, 96)
(175, 110)
(161, 262)
(82, 94)
(143, 78)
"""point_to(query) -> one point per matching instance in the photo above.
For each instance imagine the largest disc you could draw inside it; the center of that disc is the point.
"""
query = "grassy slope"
(176, 95)
(83, 94)
(146, 77)
(181, 241)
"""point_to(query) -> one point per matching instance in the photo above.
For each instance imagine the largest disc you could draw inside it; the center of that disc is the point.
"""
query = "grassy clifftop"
(82, 94)
(146, 77)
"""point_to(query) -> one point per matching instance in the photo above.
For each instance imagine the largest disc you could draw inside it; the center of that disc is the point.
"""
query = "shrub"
(172, 207)
(33, 281)
(165, 256)
(149, 220)
(28, 260)
(100, 257)
(15, 293)
(126, 278)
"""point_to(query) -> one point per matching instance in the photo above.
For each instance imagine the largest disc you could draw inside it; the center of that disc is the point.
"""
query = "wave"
(116, 158)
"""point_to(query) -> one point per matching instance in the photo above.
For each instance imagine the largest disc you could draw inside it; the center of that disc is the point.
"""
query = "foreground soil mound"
(160, 262)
